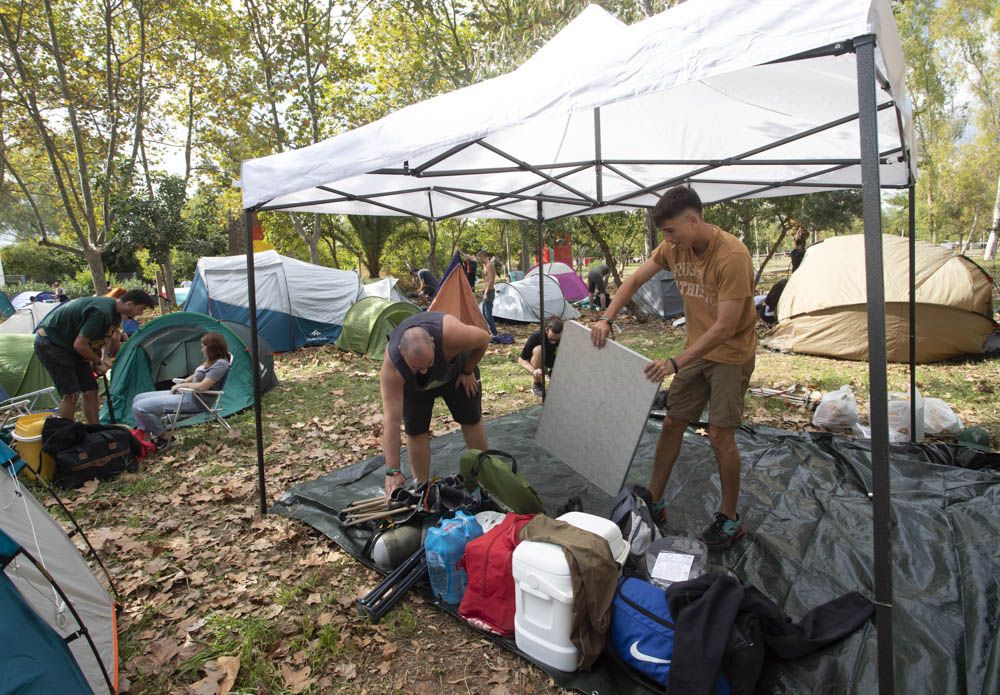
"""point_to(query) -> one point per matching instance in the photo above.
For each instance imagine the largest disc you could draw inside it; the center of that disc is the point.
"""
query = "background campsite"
(133, 185)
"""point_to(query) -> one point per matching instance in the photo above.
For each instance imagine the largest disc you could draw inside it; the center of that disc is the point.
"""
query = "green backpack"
(487, 469)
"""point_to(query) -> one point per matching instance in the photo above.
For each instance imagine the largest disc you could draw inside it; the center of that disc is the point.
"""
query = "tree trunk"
(781, 237)
(527, 244)
(168, 280)
(432, 236)
(237, 236)
(159, 295)
(989, 253)
(96, 264)
(652, 234)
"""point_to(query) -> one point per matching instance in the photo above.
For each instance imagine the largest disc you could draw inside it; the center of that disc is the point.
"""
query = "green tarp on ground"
(169, 347)
(369, 322)
(805, 503)
(20, 370)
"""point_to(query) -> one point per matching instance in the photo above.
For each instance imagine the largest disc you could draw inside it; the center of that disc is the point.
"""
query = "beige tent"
(823, 308)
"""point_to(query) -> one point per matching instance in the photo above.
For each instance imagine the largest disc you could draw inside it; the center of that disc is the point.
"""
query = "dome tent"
(169, 347)
(20, 370)
(27, 318)
(659, 296)
(573, 288)
(298, 303)
(369, 322)
(823, 310)
(53, 642)
(518, 301)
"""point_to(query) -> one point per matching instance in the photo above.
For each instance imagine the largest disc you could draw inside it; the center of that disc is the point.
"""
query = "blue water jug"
(443, 548)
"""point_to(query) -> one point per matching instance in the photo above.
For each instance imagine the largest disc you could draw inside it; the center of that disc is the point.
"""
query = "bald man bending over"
(429, 354)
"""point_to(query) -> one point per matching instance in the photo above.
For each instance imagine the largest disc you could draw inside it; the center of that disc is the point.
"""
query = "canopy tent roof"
(739, 99)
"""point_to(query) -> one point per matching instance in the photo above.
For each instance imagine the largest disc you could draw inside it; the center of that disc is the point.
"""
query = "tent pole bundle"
(814, 97)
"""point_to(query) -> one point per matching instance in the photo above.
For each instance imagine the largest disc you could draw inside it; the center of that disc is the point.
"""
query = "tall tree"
(83, 111)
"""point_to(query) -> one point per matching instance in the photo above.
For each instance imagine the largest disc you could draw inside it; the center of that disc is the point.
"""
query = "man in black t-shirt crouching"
(531, 355)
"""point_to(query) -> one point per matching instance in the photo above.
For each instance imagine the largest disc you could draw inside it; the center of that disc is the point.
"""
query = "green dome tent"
(170, 347)
(369, 322)
(20, 370)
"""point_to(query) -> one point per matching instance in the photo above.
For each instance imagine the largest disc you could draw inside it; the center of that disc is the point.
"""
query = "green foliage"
(39, 262)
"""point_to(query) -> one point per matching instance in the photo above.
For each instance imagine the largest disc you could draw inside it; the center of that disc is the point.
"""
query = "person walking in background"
(489, 289)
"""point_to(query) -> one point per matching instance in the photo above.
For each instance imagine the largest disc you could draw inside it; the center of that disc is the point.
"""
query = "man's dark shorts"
(69, 371)
(418, 406)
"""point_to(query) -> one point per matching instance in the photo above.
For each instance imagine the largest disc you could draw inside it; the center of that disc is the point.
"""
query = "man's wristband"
(673, 363)
(604, 318)
(392, 471)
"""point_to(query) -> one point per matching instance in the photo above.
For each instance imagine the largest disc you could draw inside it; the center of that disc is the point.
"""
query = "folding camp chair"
(26, 404)
(201, 398)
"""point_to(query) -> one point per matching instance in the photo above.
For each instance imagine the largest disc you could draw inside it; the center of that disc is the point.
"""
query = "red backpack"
(488, 602)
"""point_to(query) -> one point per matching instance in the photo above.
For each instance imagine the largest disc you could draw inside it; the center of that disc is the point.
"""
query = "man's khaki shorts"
(721, 386)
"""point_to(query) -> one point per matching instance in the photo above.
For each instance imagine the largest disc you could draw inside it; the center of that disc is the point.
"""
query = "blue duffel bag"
(642, 632)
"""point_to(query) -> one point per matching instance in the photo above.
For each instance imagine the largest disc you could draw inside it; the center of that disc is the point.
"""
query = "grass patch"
(135, 485)
(249, 638)
(401, 622)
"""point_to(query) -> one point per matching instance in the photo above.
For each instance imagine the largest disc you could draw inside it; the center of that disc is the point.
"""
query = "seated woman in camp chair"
(149, 408)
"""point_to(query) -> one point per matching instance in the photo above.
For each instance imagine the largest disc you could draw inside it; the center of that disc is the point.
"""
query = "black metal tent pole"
(878, 388)
(912, 215)
(255, 356)
(541, 291)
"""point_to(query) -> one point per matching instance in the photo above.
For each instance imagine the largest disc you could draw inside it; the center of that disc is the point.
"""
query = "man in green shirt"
(69, 341)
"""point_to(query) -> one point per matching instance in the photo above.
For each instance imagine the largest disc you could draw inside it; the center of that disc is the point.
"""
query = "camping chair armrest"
(198, 391)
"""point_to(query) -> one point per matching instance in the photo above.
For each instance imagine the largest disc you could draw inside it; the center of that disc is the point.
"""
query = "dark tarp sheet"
(805, 505)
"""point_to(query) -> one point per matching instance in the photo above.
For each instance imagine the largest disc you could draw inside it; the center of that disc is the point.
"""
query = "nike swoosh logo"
(634, 651)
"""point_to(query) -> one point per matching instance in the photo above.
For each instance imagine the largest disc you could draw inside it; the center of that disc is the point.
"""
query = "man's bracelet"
(604, 318)
(673, 363)
(392, 471)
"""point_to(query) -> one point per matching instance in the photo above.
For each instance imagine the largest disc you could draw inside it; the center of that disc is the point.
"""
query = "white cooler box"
(543, 592)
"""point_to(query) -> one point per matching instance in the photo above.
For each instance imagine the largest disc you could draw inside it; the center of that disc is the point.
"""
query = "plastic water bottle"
(443, 548)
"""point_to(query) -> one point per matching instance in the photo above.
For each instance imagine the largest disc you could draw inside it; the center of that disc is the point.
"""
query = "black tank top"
(442, 371)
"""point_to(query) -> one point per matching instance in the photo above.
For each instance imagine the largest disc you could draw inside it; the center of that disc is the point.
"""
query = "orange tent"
(455, 297)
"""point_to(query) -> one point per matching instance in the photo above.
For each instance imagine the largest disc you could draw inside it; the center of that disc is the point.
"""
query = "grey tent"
(660, 296)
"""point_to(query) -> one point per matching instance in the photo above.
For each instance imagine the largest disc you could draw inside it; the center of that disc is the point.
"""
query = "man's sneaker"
(536, 388)
(723, 532)
(162, 443)
(659, 512)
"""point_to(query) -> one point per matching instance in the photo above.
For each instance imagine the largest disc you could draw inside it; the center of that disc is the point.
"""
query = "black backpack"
(83, 452)
(631, 511)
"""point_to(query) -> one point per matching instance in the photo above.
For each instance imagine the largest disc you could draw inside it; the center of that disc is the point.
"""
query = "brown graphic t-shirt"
(724, 271)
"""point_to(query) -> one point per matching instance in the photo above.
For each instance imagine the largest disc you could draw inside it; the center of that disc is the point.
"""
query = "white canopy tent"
(737, 98)
(740, 99)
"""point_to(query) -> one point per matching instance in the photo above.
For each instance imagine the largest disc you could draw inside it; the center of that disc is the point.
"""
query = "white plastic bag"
(837, 410)
(899, 414)
(865, 432)
(939, 418)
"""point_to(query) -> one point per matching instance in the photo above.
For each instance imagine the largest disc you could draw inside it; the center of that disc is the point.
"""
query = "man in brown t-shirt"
(714, 274)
